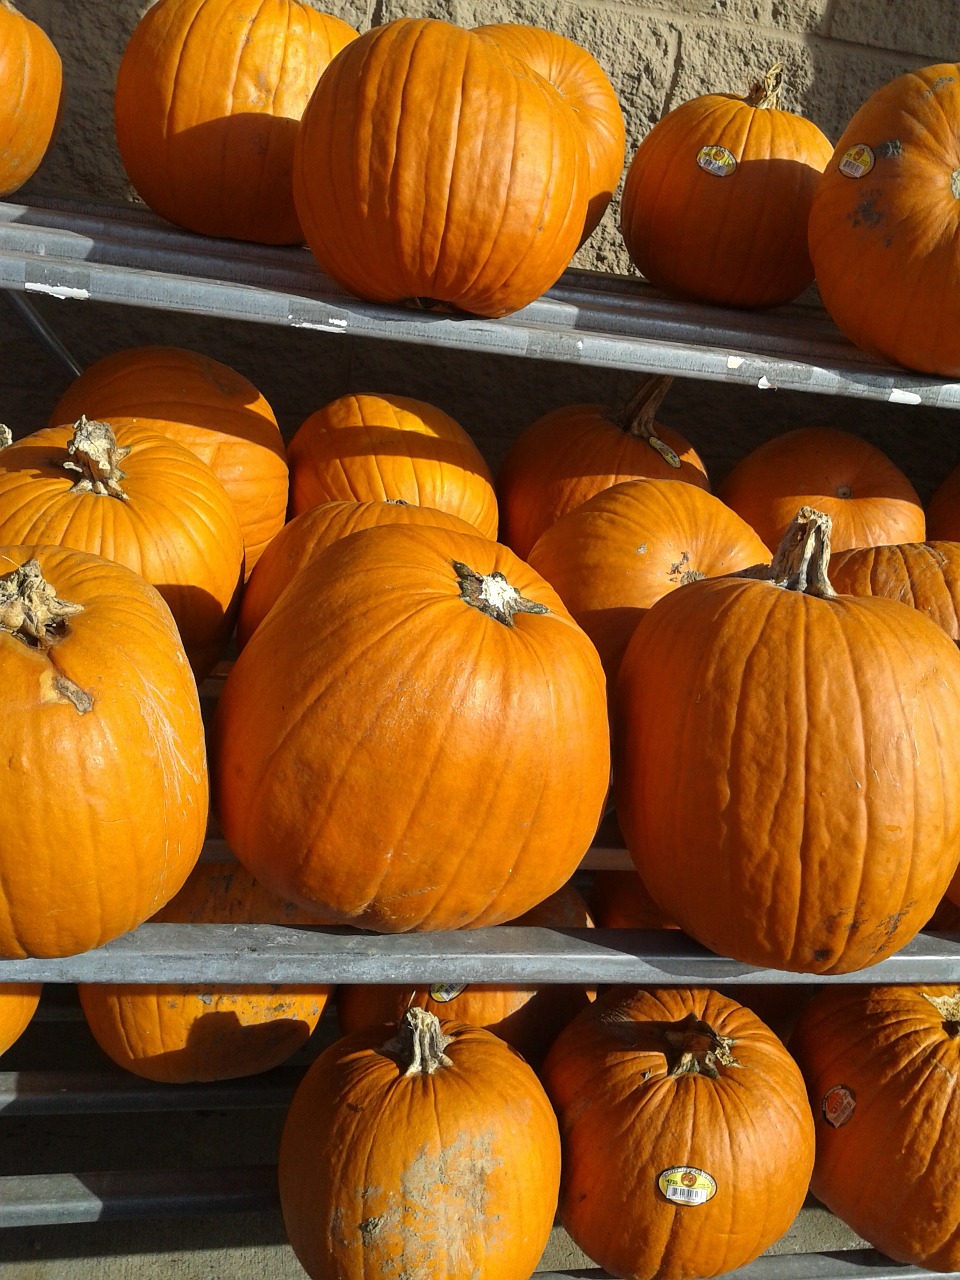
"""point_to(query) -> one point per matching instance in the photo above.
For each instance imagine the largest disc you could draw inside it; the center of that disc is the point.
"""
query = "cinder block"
(929, 29)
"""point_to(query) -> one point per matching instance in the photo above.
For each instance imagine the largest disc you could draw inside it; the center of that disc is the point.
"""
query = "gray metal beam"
(51, 1093)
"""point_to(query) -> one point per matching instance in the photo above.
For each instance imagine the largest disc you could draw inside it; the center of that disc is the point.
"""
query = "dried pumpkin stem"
(493, 595)
(801, 561)
(948, 1008)
(692, 1047)
(419, 1043)
(766, 93)
(6, 435)
(95, 454)
(638, 416)
(30, 608)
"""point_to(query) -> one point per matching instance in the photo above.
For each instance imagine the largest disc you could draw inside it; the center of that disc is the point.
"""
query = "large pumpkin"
(868, 498)
(885, 223)
(371, 448)
(686, 1134)
(18, 1004)
(31, 77)
(573, 452)
(207, 407)
(717, 195)
(415, 736)
(787, 767)
(943, 509)
(181, 1033)
(432, 166)
(123, 491)
(208, 100)
(881, 1065)
(430, 1153)
(104, 787)
(925, 575)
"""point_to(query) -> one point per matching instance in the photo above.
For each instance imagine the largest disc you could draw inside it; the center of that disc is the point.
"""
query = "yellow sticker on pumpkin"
(717, 160)
(684, 1184)
(857, 161)
(444, 992)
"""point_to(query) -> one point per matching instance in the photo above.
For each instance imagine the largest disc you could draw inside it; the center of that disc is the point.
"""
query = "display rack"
(125, 255)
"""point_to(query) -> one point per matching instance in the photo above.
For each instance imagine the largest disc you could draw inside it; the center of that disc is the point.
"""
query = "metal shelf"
(128, 255)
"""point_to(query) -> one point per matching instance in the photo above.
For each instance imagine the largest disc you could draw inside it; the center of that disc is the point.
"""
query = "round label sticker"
(716, 160)
(858, 161)
(444, 992)
(838, 1105)
(684, 1184)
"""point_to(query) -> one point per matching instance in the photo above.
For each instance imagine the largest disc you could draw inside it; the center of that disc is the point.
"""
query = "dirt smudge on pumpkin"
(866, 212)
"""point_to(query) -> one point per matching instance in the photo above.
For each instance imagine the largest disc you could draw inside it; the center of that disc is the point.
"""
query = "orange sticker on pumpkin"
(838, 1105)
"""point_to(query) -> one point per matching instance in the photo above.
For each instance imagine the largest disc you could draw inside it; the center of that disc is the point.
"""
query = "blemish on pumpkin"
(55, 687)
(892, 147)
(955, 184)
(938, 85)
(370, 1226)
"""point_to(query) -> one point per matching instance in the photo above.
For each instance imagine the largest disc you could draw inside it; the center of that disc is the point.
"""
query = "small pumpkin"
(210, 409)
(576, 451)
(868, 498)
(430, 1150)
(375, 448)
(717, 195)
(208, 101)
(18, 1004)
(104, 790)
(31, 80)
(179, 1034)
(687, 1139)
(924, 575)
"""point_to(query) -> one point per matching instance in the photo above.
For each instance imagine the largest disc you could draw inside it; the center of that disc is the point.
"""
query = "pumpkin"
(434, 167)
(415, 736)
(125, 492)
(104, 789)
(307, 534)
(880, 1065)
(687, 1139)
(925, 575)
(717, 195)
(613, 556)
(868, 498)
(179, 1034)
(943, 509)
(620, 900)
(18, 1004)
(208, 100)
(371, 448)
(885, 223)
(527, 1018)
(427, 1151)
(582, 82)
(787, 763)
(207, 407)
(31, 79)
(578, 450)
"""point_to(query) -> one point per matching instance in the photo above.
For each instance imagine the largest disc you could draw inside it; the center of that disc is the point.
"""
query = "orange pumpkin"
(415, 737)
(620, 900)
(885, 224)
(371, 448)
(208, 101)
(717, 195)
(104, 789)
(432, 1152)
(31, 78)
(200, 1032)
(925, 575)
(207, 407)
(686, 1135)
(125, 492)
(868, 498)
(576, 451)
(943, 509)
(432, 166)
(18, 1004)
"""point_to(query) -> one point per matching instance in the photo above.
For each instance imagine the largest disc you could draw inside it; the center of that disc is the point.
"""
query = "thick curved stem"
(766, 93)
(802, 558)
(95, 454)
(419, 1043)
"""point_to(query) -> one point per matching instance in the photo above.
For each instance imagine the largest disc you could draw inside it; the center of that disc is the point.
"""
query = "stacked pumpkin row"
(431, 165)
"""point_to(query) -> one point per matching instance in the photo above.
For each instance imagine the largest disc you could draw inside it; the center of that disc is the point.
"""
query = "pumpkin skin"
(447, 1165)
(761, 728)
(574, 452)
(179, 1034)
(880, 1064)
(620, 900)
(207, 407)
(177, 528)
(632, 1106)
(390, 755)
(371, 448)
(18, 1004)
(31, 76)
(943, 509)
(307, 534)
(885, 223)
(433, 166)
(581, 80)
(208, 101)
(868, 498)
(615, 555)
(711, 230)
(924, 575)
(106, 775)
(529, 1019)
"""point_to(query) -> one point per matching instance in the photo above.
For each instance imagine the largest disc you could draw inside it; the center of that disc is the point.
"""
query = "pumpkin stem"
(6, 435)
(692, 1047)
(419, 1043)
(30, 609)
(638, 416)
(948, 1008)
(766, 93)
(99, 457)
(801, 561)
(493, 595)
